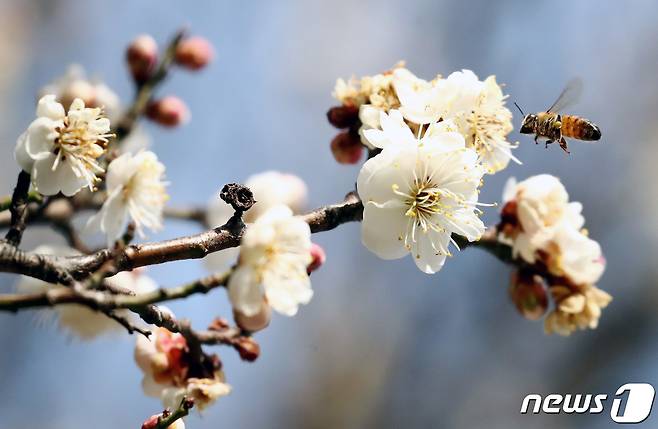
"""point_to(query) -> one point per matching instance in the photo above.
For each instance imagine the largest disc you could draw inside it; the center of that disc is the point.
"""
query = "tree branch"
(98, 300)
(57, 269)
(168, 418)
(19, 201)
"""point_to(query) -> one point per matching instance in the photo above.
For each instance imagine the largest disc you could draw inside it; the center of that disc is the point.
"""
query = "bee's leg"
(536, 137)
(563, 145)
(547, 143)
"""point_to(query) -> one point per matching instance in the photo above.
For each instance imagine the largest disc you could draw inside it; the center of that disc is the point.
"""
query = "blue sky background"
(381, 344)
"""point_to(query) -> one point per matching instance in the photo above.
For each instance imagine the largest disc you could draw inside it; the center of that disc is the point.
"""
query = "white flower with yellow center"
(274, 254)
(419, 191)
(61, 150)
(135, 191)
(478, 109)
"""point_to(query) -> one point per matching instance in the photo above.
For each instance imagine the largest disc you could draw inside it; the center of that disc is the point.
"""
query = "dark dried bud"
(528, 293)
(347, 148)
(343, 116)
(238, 196)
(187, 403)
(248, 348)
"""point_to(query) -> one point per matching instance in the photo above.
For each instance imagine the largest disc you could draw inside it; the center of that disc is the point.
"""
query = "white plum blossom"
(136, 192)
(477, 108)
(420, 100)
(374, 90)
(544, 228)
(579, 258)
(575, 308)
(419, 191)
(204, 391)
(75, 84)
(274, 255)
(162, 359)
(61, 150)
(270, 188)
(542, 207)
(82, 322)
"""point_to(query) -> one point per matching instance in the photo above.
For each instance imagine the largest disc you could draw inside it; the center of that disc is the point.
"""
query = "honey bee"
(554, 127)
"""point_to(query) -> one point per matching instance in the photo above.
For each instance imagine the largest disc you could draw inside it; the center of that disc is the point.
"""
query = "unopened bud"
(81, 89)
(142, 56)
(347, 148)
(169, 111)
(318, 256)
(254, 323)
(151, 422)
(343, 116)
(219, 324)
(528, 293)
(194, 53)
(248, 348)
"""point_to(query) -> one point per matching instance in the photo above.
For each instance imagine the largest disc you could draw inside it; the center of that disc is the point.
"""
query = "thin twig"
(96, 299)
(19, 201)
(126, 323)
(145, 90)
(168, 418)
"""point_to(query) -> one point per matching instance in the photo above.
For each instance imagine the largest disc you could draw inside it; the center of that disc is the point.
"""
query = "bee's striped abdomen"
(579, 128)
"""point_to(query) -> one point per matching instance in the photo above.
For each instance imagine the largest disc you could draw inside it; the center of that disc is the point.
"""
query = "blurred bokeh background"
(381, 344)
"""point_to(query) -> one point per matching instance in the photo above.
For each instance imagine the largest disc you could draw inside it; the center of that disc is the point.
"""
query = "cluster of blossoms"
(276, 254)
(431, 143)
(477, 109)
(430, 146)
(164, 359)
(546, 231)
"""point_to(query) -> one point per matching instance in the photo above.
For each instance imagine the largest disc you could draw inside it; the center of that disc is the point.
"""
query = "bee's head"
(529, 124)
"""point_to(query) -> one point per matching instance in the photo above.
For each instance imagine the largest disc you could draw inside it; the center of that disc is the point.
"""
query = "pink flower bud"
(319, 257)
(347, 148)
(151, 422)
(194, 53)
(254, 323)
(142, 56)
(169, 111)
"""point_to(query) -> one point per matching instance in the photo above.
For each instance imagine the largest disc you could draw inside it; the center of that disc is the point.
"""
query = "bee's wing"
(570, 95)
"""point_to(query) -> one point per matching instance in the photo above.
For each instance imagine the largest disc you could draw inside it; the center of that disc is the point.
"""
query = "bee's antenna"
(520, 110)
